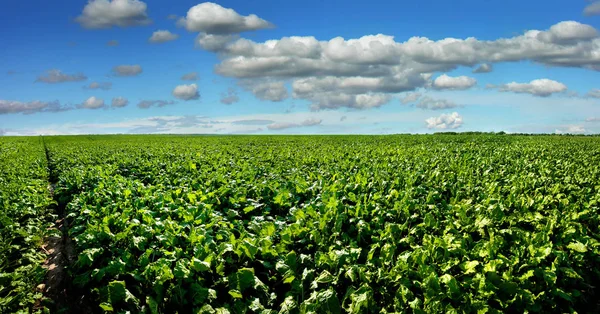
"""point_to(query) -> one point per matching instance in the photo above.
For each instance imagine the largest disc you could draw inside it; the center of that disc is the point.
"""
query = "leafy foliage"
(356, 224)
(24, 218)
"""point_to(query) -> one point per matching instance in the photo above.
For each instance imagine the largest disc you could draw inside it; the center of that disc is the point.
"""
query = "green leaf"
(236, 294)
(361, 300)
(249, 209)
(181, 271)
(199, 265)
(249, 249)
(152, 304)
(471, 267)
(325, 277)
(87, 257)
(106, 307)
(245, 278)
(288, 306)
(289, 277)
(206, 309)
(117, 291)
(577, 247)
(192, 197)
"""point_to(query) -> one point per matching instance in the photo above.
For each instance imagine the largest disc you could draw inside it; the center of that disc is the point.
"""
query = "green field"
(302, 224)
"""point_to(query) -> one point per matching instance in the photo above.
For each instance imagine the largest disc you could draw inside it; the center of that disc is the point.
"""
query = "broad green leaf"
(235, 294)
(577, 247)
(199, 265)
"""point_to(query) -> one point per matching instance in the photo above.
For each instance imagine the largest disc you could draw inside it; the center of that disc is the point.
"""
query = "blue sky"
(299, 67)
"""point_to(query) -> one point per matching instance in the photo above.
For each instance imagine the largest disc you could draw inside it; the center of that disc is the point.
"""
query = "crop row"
(332, 224)
(25, 216)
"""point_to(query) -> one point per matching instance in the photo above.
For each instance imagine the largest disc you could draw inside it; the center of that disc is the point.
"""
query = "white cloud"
(592, 119)
(377, 64)
(484, 68)
(213, 42)
(56, 76)
(212, 18)
(454, 83)
(99, 14)
(429, 103)
(571, 129)
(568, 32)
(253, 122)
(127, 70)
(92, 103)
(100, 85)
(119, 102)
(540, 87)
(229, 97)
(594, 93)
(445, 121)
(271, 91)
(288, 125)
(592, 9)
(145, 104)
(192, 76)
(186, 92)
(410, 98)
(11, 107)
(356, 122)
(162, 36)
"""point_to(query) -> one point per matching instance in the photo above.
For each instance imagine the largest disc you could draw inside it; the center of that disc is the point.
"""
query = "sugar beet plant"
(24, 218)
(358, 224)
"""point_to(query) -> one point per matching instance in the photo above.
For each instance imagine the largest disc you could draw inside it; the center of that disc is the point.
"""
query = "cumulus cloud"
(119, 102)
(229, 97)
(112, 43)
(56, 76)
(92, 103)
(12, 106)
(568, 32)
(127, 70)
(410, 98)
(162, 36)
(445, 121)
(98, 14)
(484, 68)
(540, 87)
(192, 76)
(429, 103)
(212, 18)
(212, 42)
(380, 65)
(186, 92)
(288, 125)
(332, 100)
(145, 104)
(99, 85)
(594, 93)
(571, 129)
(272, 91)
(592, 9)
(454, 83)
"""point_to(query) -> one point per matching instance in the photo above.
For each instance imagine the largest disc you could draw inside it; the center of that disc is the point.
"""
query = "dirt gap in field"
(56, 289)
